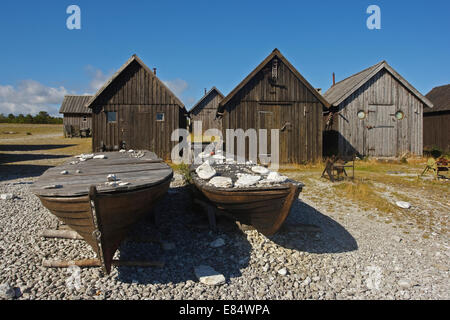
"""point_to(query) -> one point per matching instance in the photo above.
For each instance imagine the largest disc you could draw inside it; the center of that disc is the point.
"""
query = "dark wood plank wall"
(383, 92)
(206, 113)
(436, 130)
(77, 120)
(137, 96)
(290, 101)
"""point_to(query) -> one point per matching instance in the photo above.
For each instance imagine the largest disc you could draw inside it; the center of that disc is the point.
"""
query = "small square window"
(84, 118)
(112, 116)
(160, 116)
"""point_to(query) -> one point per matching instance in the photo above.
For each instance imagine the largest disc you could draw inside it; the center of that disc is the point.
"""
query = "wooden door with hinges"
(381, 135)
(124, 134)
(274, 117)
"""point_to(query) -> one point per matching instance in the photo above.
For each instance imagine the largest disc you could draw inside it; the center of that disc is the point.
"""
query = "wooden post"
(211, 213)
(86, 263)
(62, 234)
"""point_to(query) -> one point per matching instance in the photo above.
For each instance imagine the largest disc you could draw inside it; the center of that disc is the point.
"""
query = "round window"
(399, 115)
(361, 114)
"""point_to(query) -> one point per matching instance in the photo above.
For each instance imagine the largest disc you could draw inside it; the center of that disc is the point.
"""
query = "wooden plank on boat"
(137, 172)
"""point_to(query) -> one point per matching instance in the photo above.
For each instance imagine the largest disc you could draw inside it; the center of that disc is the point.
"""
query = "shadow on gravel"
(11, 171)
(185, 231)
(33, 147)
(332, 237)
(15, 157)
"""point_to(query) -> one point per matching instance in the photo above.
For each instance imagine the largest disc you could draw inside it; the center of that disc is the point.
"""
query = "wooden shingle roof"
(210, 92)
(121, 69)
(440, 96)
(75, 104)
(343, 89)
(275, 53)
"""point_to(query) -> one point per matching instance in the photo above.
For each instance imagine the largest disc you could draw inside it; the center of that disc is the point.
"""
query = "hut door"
(265, 121)
(111, 134)
(381, 131)
(124, 136)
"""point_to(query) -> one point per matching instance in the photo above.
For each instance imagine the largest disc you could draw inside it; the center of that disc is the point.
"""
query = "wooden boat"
(103, 214)
(264, 208)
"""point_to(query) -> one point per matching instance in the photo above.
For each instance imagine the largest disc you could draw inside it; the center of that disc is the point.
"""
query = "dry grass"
(376, 188)
(201, 138)
(21, 130)
(45, 145)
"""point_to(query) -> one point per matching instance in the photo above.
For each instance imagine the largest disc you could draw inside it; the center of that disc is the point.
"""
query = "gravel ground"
(353, 256)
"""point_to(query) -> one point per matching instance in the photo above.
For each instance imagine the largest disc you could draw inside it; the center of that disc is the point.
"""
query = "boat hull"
(104, 219)
(264, 209)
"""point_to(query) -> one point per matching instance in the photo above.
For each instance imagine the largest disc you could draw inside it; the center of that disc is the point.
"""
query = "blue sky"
(197, 44)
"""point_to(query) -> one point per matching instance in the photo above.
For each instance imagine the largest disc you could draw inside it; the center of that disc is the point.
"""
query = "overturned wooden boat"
(102, 211)
(265, 208)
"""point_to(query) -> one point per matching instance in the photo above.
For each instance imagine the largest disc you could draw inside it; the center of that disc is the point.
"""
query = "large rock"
(221, 182)
(205, 171)
(6, 291)
(209, 276)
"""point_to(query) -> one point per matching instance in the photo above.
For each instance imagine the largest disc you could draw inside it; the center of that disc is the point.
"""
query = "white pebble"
(282, 271)
(6, 196)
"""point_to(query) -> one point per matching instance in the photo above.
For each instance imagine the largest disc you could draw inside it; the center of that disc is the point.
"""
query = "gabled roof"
(210, 92)
(440, 96)
(75, 104)
(343, 89)
(275, 53)
(121, 69)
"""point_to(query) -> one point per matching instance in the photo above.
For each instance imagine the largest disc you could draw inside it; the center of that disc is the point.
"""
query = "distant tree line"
(41, 118)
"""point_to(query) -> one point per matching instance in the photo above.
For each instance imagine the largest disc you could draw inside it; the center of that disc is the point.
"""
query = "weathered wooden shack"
(375, 112)
(436, 121)
(276, 96)
(75, 114)
(205, 110)
(135, 110)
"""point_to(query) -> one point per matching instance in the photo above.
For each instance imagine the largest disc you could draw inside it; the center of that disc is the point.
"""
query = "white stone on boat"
(205, 171)
(260, 170)
(276, 177)
(221, 182)
(247, 180)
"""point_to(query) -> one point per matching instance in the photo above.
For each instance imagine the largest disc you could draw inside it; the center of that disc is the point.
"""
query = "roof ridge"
(124, 66)
(205, 95)
(353, 75)
(258, 68)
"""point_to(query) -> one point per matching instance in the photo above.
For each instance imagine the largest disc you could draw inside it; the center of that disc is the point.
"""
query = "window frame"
(364, 112)
(115, 117)
(399, 112)
(163, 116)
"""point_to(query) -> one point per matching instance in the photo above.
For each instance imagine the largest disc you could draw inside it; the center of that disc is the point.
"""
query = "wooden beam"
(62, 234)
(86, 263)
